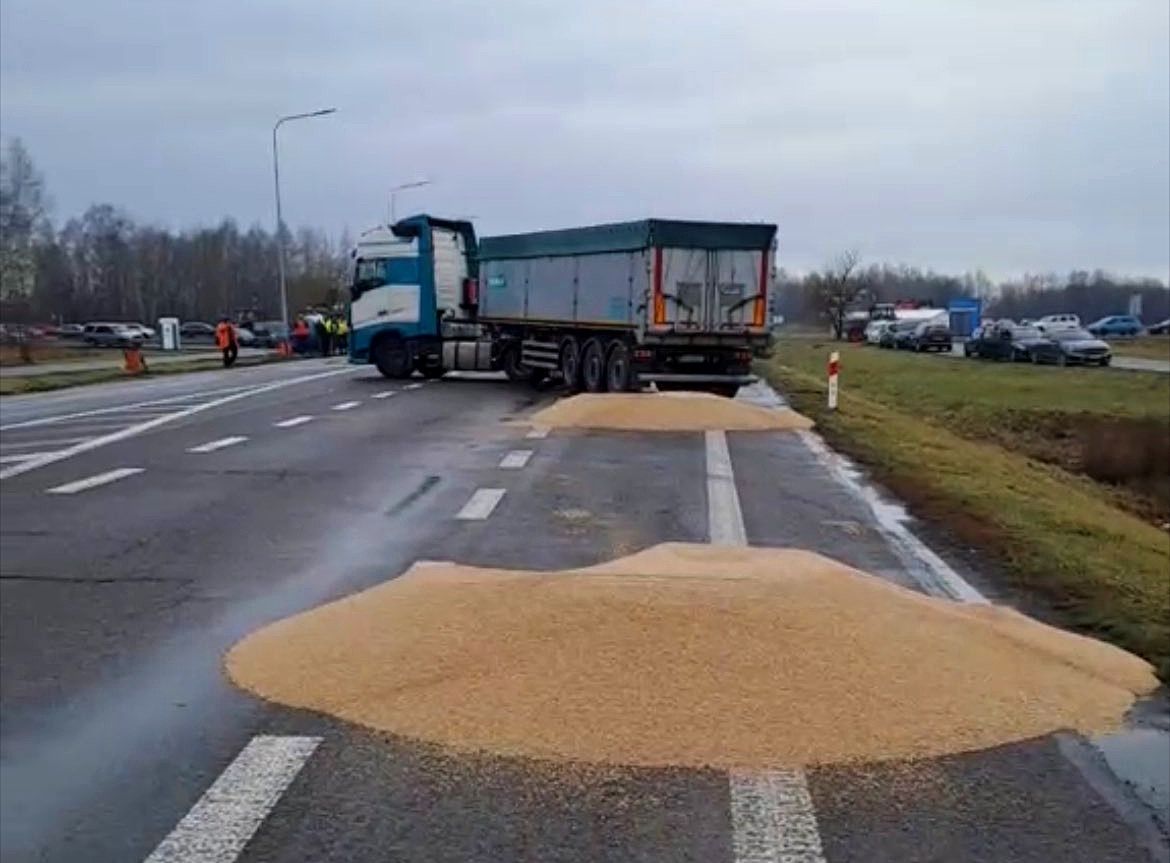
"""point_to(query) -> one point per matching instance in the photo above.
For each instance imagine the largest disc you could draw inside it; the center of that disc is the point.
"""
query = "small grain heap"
(687, 655)
(674, 411)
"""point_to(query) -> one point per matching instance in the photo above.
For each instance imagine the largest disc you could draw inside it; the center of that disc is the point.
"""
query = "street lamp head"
(323, 112)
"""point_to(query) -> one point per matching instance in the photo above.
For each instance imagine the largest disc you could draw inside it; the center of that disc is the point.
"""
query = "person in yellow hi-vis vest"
(342, 337)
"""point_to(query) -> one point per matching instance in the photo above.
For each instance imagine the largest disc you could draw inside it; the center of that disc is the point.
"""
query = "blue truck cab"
(413, 285)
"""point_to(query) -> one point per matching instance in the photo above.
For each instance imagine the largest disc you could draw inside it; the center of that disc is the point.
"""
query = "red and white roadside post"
(834, 368)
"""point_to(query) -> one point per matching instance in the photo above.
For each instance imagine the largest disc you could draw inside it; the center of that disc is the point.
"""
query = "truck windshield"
(368, 275)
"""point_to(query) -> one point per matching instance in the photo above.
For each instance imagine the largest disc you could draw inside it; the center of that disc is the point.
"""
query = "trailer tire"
(593, 366)
(619, 375)
(570, 363)
(392, 357)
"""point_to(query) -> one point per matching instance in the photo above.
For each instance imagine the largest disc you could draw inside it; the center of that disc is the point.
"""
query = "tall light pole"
(279, 219)
(394, 193)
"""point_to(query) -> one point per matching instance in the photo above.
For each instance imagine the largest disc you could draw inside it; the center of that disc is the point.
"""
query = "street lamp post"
(279, 219)
(394, 193)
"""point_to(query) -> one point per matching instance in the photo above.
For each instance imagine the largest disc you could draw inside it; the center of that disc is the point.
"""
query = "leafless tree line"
(102, 265)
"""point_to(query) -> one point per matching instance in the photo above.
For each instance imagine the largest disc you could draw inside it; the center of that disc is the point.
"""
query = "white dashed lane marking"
(724, 517)
(219, 825)
(772, 818)
(481, 504)
(538, 433)
(94, 481)
(385, 394)
(413, 386)
(292, 422)
(212, 446)
(346, 406)
(516, 459)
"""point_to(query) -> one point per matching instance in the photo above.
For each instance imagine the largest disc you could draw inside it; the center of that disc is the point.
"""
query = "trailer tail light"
(470, 293)
(743, 356)
(642, 355)
(759, 308)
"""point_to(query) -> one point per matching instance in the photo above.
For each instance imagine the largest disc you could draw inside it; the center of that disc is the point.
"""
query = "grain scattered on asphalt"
(673, 411)
(690, 655)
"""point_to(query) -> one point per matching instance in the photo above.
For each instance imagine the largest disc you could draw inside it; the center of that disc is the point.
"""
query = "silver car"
(103, 335)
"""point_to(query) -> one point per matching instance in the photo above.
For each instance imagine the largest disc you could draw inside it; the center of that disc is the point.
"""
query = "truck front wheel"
(593, 366)
(618, 373)
(392, 358)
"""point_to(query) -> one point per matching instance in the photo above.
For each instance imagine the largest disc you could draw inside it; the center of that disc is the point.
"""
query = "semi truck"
(607, 307)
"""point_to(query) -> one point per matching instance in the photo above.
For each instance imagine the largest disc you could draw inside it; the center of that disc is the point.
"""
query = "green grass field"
(999, 456)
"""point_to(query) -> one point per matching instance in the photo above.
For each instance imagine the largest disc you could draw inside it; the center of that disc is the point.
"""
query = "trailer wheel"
(570, 363)
(593, 366)
(619, 376)
(392, 358)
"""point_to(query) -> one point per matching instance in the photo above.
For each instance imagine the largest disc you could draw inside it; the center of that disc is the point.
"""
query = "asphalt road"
(145, 526)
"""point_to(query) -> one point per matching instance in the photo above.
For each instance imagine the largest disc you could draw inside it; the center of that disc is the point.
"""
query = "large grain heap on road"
(674, 411)
(687, 655)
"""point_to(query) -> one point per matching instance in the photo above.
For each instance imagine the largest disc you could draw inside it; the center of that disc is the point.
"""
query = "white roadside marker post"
(834, 367)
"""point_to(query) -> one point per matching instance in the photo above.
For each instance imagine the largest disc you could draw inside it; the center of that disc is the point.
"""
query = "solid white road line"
(538, 433)
(936, 576)
(292, 422)
(15, 457)
(416, 385)
(481, 504)
(212, 446)
(97, 412)
(99, 479)
(219, 825)
(772, 818)
(346, 406)
(724, 517)
(516, 459)
(134, 430)
(45, 445)
(385, 394)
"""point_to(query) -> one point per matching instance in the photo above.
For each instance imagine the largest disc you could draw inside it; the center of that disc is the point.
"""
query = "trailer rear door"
(705, 290)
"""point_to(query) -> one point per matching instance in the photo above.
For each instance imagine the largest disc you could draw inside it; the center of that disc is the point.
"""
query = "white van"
(1052, 323)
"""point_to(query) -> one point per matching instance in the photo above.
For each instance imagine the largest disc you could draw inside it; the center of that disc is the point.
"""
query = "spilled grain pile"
(675, 411)
(687, 655)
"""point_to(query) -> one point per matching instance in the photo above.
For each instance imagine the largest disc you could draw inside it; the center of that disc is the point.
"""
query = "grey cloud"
(1026, 135)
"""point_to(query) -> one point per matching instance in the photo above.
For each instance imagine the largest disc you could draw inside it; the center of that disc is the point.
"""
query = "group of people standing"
(321, 333)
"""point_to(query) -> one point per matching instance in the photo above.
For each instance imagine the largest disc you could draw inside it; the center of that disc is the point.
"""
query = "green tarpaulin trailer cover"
(628, 236)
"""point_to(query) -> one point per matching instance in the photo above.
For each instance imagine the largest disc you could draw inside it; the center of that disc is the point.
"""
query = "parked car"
(147, 332)
(929, 336)
(1014, 342)
(1081, 347)
(1159, 329)
(1116, 325)
(269, 334)
(904, 335)
(874, 330)
(245, 338)
(1052, 323)
(111, 335)
(889, 336)
(197, 331)
(70, 331)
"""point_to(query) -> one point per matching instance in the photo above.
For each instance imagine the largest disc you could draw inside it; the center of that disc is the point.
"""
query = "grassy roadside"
(933, 431)
(16, 385)
(1146, 347)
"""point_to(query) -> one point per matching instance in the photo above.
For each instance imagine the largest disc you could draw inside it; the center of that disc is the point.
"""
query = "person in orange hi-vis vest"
(226, 341)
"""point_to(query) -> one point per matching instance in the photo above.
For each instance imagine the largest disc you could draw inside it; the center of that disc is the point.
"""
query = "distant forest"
(104, 265)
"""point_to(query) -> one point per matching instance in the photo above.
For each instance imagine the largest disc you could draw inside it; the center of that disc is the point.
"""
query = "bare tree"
(839, 286)
(23, 206)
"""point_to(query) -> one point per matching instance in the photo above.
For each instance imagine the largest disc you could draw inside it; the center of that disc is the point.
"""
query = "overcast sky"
(1015, 135)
